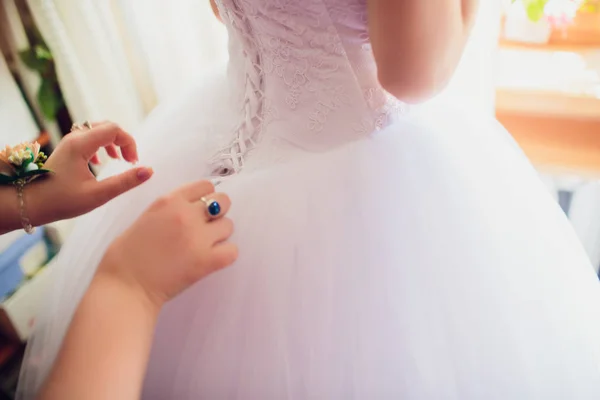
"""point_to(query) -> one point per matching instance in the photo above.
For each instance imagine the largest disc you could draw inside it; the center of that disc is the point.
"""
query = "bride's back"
(305, 68)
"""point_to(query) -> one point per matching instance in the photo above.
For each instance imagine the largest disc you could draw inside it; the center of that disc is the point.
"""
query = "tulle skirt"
(425, 262)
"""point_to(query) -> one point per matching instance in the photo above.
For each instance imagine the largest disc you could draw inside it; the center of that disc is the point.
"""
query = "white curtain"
(16, 121)
(117, 59)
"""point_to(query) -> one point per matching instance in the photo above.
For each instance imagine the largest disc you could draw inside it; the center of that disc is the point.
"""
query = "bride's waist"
(273, 152)
(275, 137)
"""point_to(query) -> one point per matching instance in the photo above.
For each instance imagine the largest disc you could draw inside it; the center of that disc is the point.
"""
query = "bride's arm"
(417, 44)
(215, 10)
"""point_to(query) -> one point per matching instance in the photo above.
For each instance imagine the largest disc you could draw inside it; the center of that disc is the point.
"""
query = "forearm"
(215, 10)
(37, 208)
(9, 209)
(469, 11)
(418, 44)
(107, 346)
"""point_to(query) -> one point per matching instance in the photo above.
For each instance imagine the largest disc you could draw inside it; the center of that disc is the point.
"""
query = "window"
(548, 91)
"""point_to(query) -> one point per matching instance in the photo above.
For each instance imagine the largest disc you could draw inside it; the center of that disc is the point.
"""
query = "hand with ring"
(184, 237)
(180, 239)
(71, 189)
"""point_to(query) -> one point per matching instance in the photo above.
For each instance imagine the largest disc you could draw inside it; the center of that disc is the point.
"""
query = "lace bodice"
(307, 72)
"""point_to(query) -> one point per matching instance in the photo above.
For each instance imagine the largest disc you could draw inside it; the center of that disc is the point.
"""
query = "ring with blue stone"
(213, 208)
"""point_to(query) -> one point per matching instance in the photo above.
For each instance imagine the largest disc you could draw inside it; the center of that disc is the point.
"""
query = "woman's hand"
(71, 189)
(172, 245)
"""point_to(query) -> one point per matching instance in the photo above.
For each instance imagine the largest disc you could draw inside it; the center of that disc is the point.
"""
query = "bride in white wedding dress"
(386, 252)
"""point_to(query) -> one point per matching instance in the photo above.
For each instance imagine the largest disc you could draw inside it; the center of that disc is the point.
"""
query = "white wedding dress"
(385, 252)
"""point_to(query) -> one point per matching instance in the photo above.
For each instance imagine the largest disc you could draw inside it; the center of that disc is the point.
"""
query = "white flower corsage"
(21, 164)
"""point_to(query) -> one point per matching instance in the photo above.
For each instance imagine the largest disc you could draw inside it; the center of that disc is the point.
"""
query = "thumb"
(114, 186)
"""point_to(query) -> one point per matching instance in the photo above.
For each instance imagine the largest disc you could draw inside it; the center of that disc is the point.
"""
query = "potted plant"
(543, 21)
(49, 95)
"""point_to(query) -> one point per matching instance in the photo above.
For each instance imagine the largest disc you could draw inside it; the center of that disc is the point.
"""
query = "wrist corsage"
(20, 165)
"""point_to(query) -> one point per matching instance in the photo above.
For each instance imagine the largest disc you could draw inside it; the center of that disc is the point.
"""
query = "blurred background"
(534, 64)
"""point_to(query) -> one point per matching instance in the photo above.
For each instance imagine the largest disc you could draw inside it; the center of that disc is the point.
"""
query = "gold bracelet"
(25, 221)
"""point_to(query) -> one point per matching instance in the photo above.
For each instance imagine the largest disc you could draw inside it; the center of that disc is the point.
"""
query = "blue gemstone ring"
(213, 208)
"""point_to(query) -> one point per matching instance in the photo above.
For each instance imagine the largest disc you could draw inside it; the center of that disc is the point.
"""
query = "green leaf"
(535, 9)
(35, 173)
(5, 179)
(31, 60)
(590, 7)
(42, 53)
(49, 100)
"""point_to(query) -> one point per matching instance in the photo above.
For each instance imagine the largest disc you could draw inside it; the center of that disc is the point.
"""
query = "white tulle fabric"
(384, 253)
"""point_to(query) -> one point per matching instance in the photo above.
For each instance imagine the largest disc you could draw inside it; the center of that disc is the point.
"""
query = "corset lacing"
(230, 159)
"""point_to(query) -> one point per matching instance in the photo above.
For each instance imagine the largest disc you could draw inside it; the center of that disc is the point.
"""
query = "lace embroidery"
(335, 99)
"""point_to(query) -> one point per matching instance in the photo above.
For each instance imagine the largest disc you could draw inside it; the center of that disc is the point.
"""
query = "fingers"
(220, 230)
(193, 192)
(223, 255)
(108, 135)
(112, 152)
(197, 191)
(95, 159)
(109, 188)
(214, 231)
